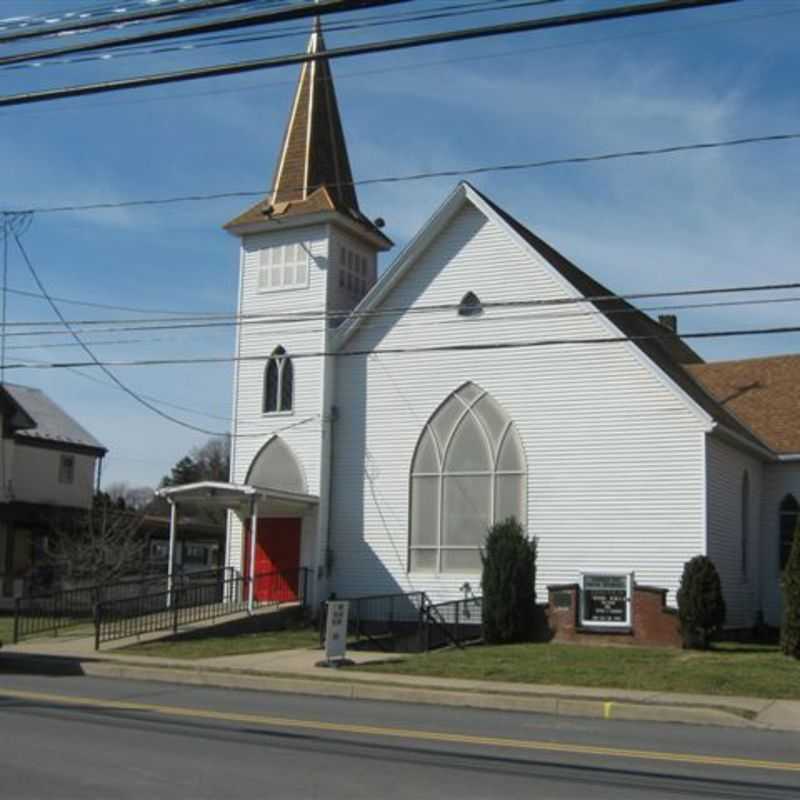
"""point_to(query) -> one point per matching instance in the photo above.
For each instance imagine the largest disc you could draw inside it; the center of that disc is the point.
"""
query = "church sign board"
(606, 599)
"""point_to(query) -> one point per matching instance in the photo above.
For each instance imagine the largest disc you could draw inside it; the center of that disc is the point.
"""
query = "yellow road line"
(404, 733)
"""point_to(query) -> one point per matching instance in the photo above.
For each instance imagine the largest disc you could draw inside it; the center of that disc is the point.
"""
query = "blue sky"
(712, 218)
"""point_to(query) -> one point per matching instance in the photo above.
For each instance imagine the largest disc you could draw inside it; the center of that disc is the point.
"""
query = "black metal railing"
(409, 621)
(454, 622)
(196, 600)
(51, 612)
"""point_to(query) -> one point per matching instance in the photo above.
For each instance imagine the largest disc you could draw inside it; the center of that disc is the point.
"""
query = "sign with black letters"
(605, 599)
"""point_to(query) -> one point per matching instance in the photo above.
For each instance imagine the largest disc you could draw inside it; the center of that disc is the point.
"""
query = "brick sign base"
(654, 623)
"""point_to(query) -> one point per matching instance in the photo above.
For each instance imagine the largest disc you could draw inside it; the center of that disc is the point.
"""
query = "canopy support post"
(173, 520)
(253, 533)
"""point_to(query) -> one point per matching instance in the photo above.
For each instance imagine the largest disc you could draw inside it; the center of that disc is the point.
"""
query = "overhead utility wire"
(158, 400)
(417, 65)
(109, 306)
(95, 361)
(118, 53)
(95, 22)
(418, 176)
(445, 348)
(371, 324)
(566, 20)
(271, 16)
(356, 313)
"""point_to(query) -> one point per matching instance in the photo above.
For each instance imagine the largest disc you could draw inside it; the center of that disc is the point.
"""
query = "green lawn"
(758, 671)
(6, 629)
(211, 645)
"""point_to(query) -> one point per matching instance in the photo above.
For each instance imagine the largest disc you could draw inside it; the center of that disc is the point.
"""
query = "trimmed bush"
(508, 584)
(701, 607)
(790, 586)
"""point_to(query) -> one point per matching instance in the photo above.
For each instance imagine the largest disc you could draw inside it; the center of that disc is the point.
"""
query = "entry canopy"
(238, 497)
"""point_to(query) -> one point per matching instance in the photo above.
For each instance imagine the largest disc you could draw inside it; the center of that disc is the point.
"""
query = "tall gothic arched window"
(745, 513)
(788, 516)
(278, 382)
(468, 472)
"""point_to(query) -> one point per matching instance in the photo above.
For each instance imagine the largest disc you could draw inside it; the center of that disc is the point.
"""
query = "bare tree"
(131, 497)
(101, 546)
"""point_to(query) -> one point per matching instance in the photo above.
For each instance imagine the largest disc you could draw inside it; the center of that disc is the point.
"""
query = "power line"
(562, 21)
(35, 61)
(104, 368)
(219, 326)
(290, 12)
(418, 176)
(423, 64)
(158, 400)
(155, 324)
(108, 306)
(305, 316)
(452, 348)
(89, 20)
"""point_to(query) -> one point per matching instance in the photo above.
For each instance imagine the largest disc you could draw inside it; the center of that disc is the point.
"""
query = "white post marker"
(336, 634)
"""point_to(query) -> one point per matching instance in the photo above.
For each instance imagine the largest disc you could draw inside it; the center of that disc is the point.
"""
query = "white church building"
(383, 422)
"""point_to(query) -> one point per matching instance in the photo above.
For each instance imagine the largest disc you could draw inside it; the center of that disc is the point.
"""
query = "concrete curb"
(540, 704)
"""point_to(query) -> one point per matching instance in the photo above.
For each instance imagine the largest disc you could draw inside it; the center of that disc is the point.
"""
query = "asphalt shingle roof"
(53, 424)
(762, 392)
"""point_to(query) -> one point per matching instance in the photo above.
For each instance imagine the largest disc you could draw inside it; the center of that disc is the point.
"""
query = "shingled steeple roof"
(313, 171)
(314, 153)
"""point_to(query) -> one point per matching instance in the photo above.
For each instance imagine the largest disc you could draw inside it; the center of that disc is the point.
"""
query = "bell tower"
(307, 251)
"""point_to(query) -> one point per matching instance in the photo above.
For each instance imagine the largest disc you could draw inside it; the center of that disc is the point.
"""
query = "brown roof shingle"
(762, 392)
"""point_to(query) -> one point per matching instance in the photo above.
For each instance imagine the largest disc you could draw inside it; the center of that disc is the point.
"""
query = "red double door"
(277, 561)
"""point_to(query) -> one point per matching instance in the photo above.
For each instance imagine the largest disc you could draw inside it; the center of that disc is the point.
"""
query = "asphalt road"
(87, 738)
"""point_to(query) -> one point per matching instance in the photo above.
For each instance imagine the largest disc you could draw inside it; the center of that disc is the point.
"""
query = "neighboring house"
(48, 462)
(436, 410)
(200, 544)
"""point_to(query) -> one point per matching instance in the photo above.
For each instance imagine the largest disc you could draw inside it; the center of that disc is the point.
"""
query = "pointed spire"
(313, 172)
(314, 153)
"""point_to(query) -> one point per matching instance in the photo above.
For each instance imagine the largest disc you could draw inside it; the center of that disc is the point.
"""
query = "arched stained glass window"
(278, 382)
(787, 524)
(468, 472)
(275, 467)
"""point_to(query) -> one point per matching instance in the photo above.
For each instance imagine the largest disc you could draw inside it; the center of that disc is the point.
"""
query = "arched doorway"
(277, 546)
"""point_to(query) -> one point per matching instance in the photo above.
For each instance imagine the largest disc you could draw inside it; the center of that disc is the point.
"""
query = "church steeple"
(312, 175)
(314, 153)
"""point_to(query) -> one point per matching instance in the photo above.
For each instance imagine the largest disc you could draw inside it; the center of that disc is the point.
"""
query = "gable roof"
(52, 424)
(661, 346)
(763, 392)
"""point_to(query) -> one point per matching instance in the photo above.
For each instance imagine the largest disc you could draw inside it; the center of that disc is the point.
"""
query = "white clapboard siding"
(726, 469)
(616, 467)
(253, 428)
(779, 480)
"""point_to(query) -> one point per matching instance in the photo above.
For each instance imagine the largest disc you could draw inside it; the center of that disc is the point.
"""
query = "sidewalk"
(295, 671)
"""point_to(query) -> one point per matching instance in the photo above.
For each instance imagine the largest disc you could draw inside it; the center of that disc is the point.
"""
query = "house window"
(470, 305)
(66, 469)
(284, 266)
(468, 471)
(278, 382)
(787, 525)
(745, 522)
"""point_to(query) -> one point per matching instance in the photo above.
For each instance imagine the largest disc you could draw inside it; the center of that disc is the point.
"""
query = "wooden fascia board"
(64, 447)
